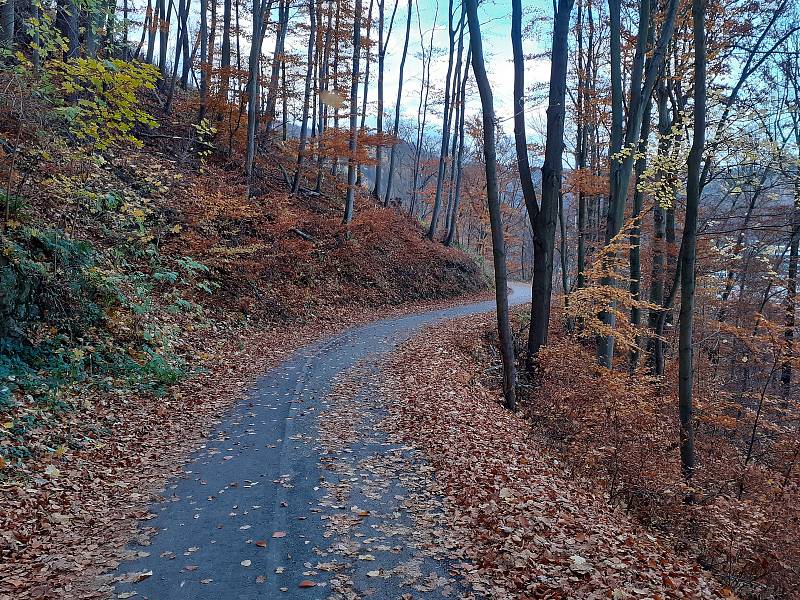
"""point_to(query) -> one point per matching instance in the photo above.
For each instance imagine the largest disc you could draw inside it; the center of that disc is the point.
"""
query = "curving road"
(293, 494)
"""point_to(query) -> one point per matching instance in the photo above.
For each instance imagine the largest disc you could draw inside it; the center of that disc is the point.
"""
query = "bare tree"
(353, 147)
(498, 243)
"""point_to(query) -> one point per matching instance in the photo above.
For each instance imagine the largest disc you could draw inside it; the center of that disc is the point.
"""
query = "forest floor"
(73, 517)
(376, 462)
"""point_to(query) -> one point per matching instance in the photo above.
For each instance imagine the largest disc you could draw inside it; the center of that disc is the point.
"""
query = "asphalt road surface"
(297, 493)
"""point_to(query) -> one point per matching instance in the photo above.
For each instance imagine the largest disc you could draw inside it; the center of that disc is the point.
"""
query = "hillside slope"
(130, 266)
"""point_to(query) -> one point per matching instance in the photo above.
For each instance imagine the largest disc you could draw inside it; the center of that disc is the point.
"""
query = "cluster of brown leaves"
(620, 430)
(532, 529)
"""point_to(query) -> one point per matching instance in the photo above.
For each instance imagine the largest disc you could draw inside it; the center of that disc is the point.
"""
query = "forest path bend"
(298, 486)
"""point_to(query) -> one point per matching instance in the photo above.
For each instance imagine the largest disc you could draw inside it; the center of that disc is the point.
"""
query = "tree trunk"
(636, 236)
(225, 57)
(453, 224)
(689, 244)
(323, 108)
(437, 202)
(642, 84)
(498, 244)
(277, 61)
(791, 296)
(204, 66)
(396, 129)
(543, 221)
(353, 146)
(365, 98)
(7, 24)
(163, 37)
(422, 109)
(259, 13)
(301, 148)
(67, 22)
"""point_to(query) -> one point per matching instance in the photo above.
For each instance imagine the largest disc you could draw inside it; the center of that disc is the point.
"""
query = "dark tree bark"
(225, 56)
(453, 224)
(498, 244)
(186, 53)
(382, 43)
(163, 37)
(365, 98)
(67, 16)
(301, 147)
(204, 66)
(396, 127)
(422, 109)
(183, 35)
(437, 202)
(7, 24)
(689, 244)
(353, 146)
(260, 10)
(642, 85)
(277, 61)
(543, 217)
(323, 108)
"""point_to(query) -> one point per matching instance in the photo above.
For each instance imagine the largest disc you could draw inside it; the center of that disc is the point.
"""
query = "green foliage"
(45, 38)
(205, 139)
(100, 98)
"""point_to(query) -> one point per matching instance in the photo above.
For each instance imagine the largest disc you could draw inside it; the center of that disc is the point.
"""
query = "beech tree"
(498, 244)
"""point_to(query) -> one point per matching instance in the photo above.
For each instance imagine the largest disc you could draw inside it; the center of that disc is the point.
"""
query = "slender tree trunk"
(7, 24)
(259, 16)
(301, 148)
(204, 66)
(453, 224)
(636, 237)
(163, 37)
(277, 61)
(353, 147)
(323, 108)
(543, 221)
(655, 345)
(498, 244)
(383, 41)
(642, 84)
(689, 244)
(791, 296)
(396, 129)
(186, 52)
(437, 202)
(422, 110)
(67, 22)
(183, 35)
(154, 26)
(225, 57)
(365, 98)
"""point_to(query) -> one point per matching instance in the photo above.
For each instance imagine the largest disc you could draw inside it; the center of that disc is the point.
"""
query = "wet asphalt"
(245, 521)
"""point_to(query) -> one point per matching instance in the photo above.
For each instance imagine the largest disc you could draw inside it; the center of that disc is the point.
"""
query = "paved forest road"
(297, 484)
